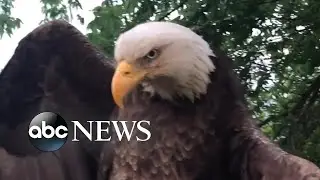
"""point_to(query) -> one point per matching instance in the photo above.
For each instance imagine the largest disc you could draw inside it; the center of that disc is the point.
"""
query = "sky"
(29, 11)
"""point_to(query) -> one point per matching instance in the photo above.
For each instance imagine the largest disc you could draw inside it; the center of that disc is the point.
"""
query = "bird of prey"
(164, 73)
(200, 123)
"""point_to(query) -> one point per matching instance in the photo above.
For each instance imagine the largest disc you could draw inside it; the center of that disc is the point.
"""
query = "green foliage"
(7, 23)
(58, 9)
(274, 45)
(106, 26)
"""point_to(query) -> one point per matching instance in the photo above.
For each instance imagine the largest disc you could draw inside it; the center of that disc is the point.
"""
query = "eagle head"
(165, 59)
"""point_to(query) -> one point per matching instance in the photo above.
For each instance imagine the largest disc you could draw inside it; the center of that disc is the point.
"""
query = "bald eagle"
(165, 73)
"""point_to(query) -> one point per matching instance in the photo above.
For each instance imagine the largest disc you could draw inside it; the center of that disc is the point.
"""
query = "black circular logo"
(48, 131)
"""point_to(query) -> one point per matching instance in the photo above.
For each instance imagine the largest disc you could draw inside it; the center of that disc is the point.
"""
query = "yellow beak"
(125, 78)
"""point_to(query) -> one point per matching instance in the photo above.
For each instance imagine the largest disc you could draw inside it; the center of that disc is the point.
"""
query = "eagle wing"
(54, 68)
(269, 162)
(253, 156)
(260, 159)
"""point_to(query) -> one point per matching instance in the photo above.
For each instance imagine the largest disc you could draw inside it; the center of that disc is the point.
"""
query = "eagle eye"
(153, 54)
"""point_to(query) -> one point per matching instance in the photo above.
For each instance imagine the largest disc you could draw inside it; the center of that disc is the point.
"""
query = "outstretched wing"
(54, 68)
(252, 156)
(257, 158)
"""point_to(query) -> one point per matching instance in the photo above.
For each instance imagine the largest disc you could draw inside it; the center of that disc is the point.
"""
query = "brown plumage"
(54, 68)
(196, 135)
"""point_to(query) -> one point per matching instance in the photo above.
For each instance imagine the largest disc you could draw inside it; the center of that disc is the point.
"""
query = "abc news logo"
(49, 132)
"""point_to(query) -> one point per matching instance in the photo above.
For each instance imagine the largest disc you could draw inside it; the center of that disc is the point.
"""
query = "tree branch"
(174, 9)
(314, 87)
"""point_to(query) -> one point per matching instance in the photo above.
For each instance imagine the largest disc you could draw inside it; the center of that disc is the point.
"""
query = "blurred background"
(274, 44)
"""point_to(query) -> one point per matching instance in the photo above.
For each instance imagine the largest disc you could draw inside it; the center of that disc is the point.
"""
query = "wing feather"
(54, 68)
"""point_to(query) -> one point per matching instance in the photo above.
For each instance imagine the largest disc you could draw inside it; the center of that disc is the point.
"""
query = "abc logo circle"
(48, 131)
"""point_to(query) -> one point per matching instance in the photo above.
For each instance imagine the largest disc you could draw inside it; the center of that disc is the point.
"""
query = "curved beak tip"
(124, 79)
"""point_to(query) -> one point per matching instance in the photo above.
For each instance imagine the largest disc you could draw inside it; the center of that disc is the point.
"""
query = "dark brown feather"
(54, 68)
